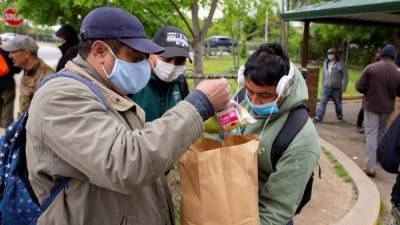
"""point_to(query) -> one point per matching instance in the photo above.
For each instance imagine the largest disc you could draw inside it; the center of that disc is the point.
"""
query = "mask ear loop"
(115, 57)
(269, 117)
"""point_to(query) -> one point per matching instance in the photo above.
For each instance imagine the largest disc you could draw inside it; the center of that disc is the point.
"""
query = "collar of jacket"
(34, 69)
(121, 103)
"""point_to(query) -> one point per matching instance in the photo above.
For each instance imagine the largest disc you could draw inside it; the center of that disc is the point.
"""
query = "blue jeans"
(330, 93)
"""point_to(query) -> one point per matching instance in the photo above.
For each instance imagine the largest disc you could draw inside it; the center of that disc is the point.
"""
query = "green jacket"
(158, 97)
(281, 191)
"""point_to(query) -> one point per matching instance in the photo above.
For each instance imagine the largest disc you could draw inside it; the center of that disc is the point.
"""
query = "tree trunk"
(197, 56)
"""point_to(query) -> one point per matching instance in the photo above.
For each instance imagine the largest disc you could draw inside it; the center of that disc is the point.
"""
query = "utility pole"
(266, 26)
(284, 26)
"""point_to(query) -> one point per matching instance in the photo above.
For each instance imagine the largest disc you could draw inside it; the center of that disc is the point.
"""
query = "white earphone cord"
(269, 117)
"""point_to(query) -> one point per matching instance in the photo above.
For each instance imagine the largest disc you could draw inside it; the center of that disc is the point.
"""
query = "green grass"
(219, 65)
(224, 65)
(382, 210)
(339, 170)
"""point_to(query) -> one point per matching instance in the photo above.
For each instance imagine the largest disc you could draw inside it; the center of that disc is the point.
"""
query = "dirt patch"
(331, 199)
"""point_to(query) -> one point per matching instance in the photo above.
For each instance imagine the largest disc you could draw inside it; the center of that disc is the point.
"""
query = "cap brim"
(142, 45)
(175, 52)
(8, 47)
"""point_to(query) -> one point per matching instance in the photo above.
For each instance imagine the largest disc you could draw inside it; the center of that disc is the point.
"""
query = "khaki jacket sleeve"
(79, 130)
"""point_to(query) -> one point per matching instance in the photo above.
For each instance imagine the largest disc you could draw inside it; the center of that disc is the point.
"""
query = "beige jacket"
(116, 162)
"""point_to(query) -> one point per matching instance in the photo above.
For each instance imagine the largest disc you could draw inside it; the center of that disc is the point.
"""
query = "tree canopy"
(244, 20)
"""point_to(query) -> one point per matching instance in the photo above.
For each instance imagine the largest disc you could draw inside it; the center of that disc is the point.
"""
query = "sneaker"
(369, 173)
(317, 120)
(340, 118)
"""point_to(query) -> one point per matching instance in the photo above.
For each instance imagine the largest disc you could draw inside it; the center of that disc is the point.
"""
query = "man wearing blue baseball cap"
(91, 133)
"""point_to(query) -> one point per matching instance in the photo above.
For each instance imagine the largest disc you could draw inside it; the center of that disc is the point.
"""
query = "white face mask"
(168, 72)
(331, 57)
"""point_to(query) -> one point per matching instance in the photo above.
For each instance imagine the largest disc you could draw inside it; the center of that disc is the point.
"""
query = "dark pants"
(360, 117)
(290, 223)
(7, 96)
(330, 93)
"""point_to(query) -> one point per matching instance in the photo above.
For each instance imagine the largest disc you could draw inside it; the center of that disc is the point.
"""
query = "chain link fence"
(173, 177)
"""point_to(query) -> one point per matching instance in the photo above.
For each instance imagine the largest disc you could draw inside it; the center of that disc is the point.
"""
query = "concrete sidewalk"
(344, 136)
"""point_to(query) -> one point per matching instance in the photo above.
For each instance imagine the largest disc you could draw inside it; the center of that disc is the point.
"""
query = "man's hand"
(217, 91)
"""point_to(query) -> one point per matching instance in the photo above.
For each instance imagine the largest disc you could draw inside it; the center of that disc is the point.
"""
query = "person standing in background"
(23, 52)
(335, 80)
(69, 48)
(360, 117)
(7, 90)
(380, 84)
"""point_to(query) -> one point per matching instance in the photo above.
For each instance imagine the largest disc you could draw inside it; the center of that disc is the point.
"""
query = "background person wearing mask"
(380, 84)
(115, 161)
(335, 80)
(7, 91)
(167, 85)
(270, 97)
(23, 52)
(69, 47)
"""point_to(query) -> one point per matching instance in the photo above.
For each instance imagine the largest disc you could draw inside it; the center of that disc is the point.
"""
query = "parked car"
(220, 41)
(6, 37)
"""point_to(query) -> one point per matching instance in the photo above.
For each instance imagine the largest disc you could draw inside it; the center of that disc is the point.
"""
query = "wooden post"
(312, 85)
(304, 53)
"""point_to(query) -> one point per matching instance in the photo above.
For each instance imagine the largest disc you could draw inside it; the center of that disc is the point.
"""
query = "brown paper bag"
(219, 182)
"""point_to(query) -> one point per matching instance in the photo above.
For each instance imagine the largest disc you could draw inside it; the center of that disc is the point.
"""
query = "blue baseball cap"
(118, 24)
(389, 51)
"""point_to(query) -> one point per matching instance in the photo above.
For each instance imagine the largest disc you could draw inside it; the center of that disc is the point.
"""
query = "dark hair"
(86, 46)
(267, 65)
(68, 33)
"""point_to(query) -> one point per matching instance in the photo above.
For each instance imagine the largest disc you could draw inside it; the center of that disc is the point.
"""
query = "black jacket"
(69, 51)
(70, 48)
(8, 80)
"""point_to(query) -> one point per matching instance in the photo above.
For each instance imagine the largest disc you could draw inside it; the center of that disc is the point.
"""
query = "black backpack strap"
(183, 86)
(295, 121)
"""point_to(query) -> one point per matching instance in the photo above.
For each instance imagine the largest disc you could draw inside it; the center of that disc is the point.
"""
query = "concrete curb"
(366, 209)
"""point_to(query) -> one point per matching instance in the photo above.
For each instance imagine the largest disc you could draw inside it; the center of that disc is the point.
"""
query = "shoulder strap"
(63, 183)
(54, 192)
(82, 79)
(294, 123)
(183, 86)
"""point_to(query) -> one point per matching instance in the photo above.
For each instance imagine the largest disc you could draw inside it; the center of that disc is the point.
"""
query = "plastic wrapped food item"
(229, 120)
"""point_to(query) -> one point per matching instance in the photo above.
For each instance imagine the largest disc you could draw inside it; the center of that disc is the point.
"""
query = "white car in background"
(6, 37)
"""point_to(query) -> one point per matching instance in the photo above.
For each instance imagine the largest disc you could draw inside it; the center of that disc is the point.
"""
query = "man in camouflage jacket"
(23, 51)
